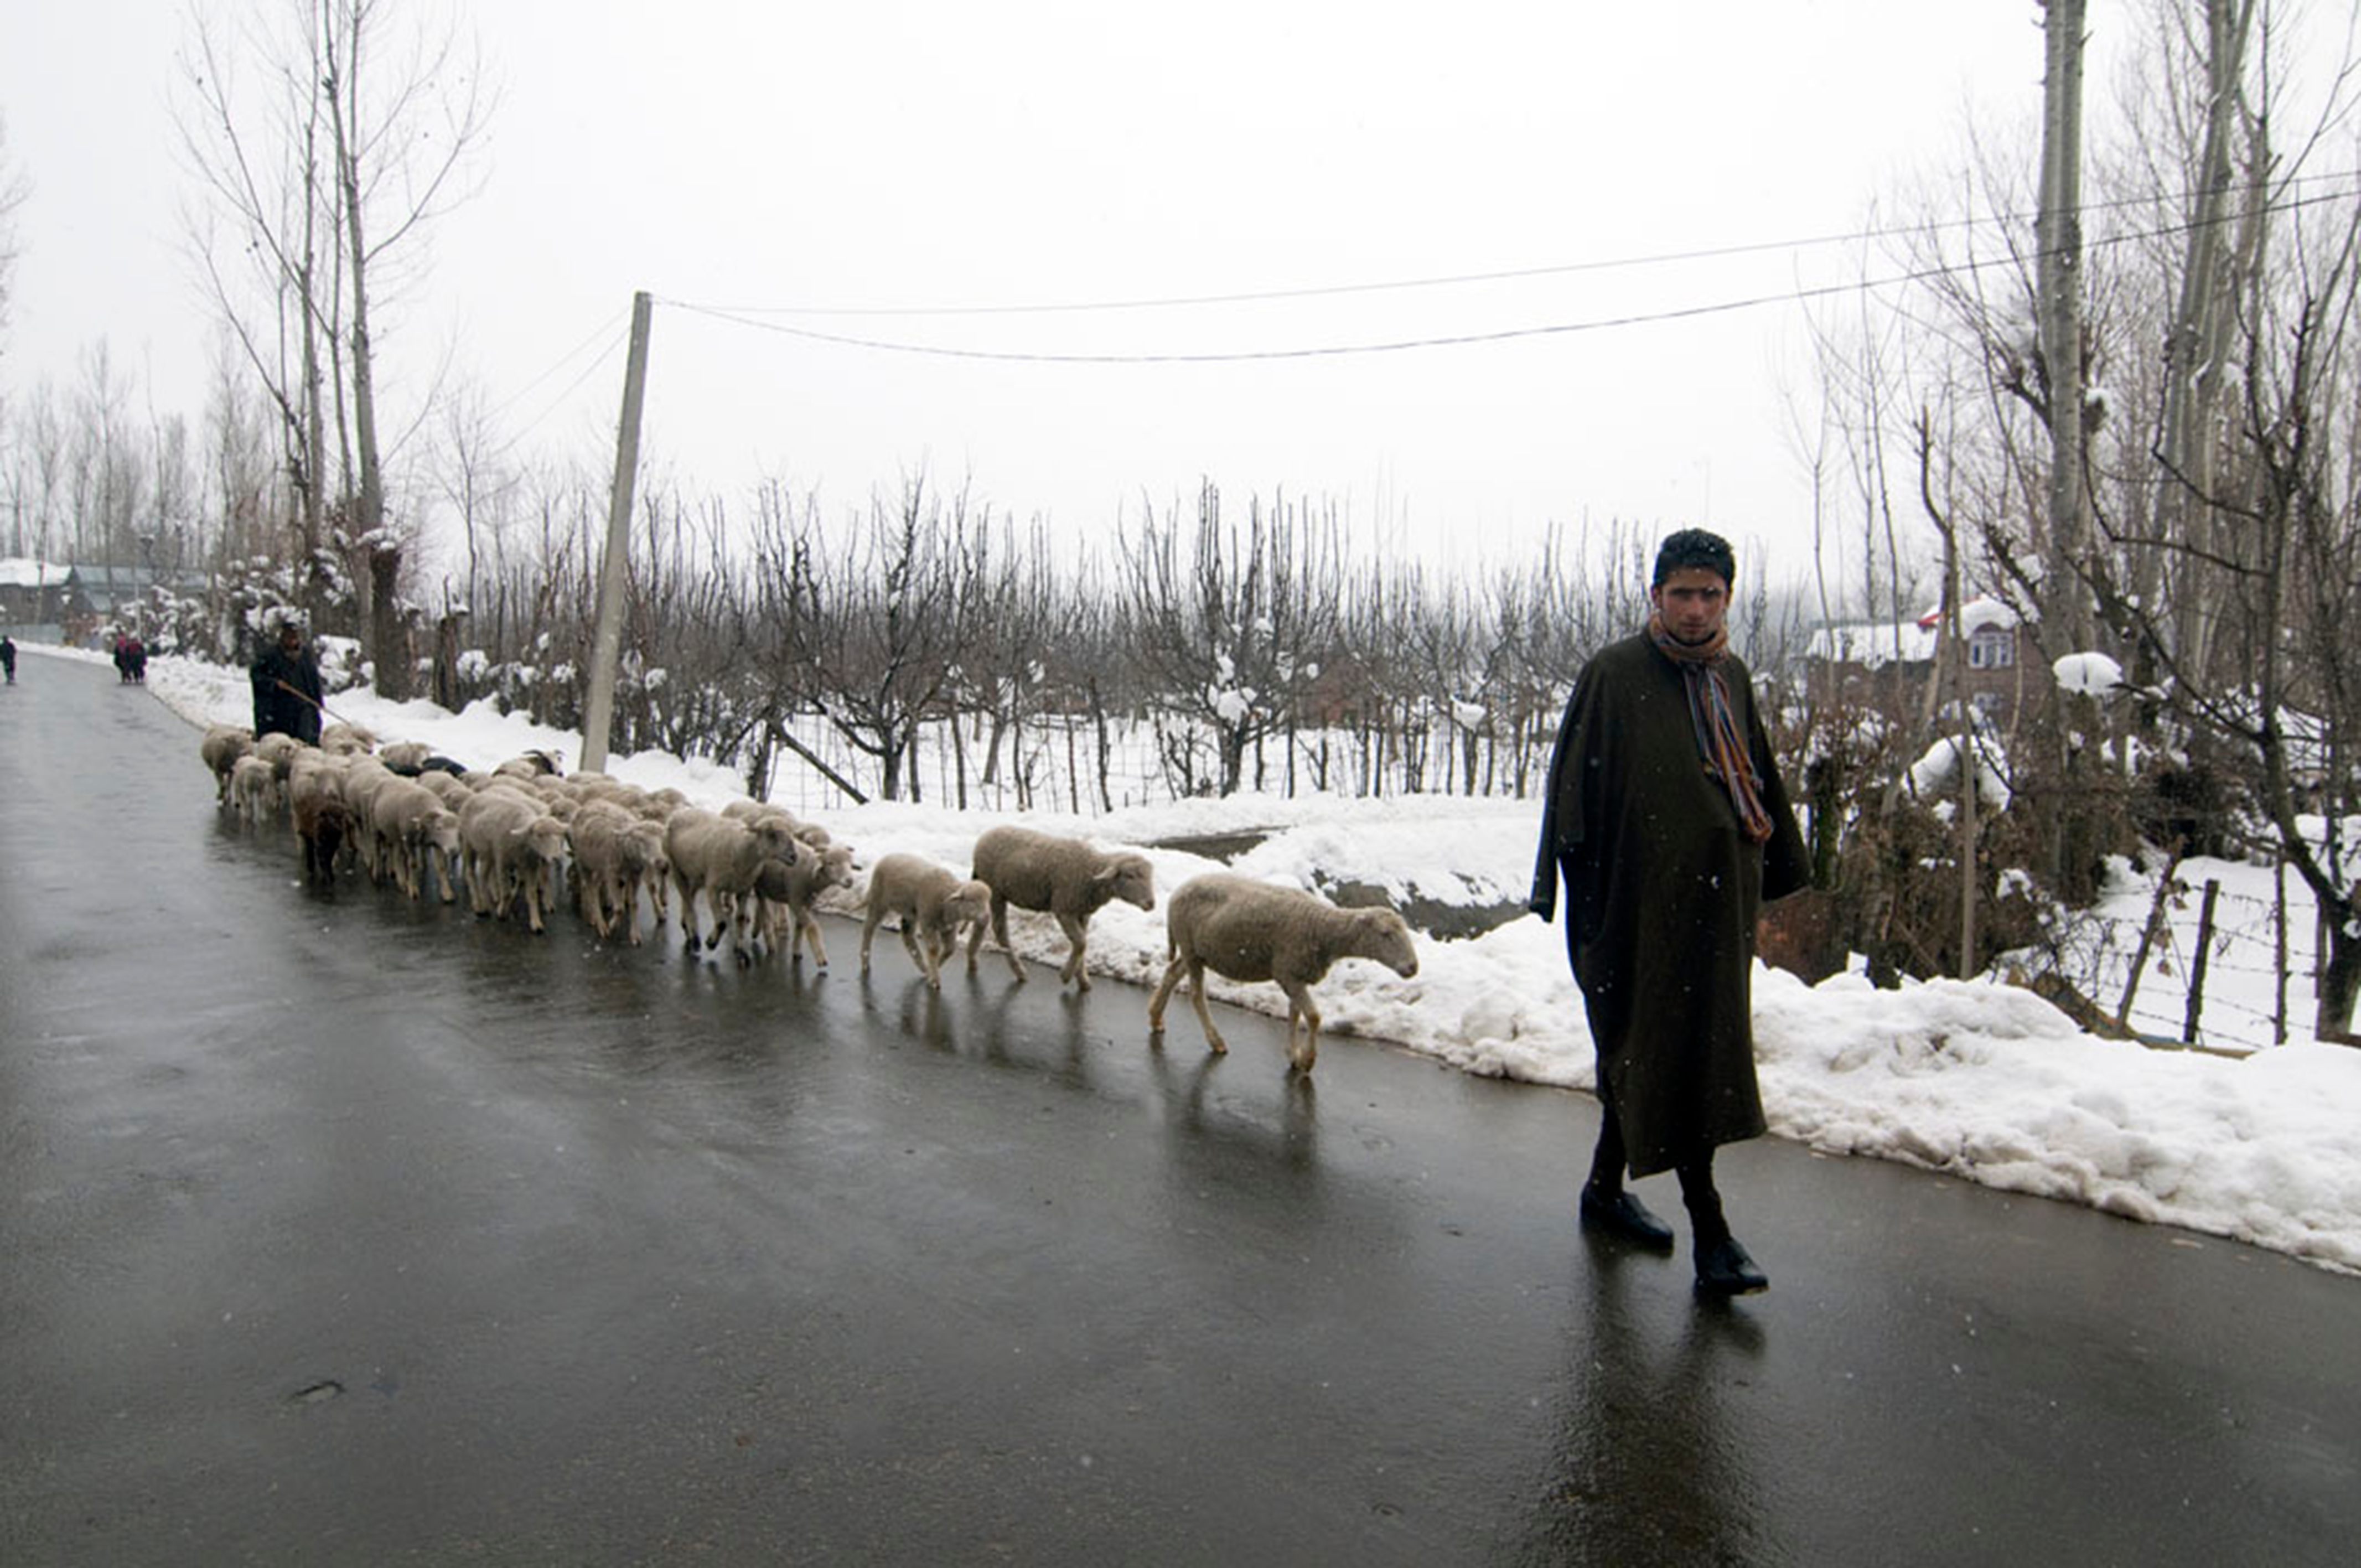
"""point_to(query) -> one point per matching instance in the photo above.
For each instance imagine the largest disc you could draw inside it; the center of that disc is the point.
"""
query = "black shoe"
(1619, 1214)
(1725, 1269)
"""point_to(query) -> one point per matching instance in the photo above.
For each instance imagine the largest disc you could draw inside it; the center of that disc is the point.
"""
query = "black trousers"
(1698, 1193)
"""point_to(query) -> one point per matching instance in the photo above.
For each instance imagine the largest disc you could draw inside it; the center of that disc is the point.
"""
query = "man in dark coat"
(1668, 821)
(287, 694)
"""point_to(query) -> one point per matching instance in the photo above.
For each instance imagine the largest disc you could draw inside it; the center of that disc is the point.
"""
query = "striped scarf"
(1714, 724)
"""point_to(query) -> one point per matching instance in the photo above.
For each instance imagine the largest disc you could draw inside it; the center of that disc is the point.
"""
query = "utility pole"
(2067, 621)
(606, 646)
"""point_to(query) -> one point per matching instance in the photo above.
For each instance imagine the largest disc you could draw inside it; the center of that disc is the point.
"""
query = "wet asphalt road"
(341, 1230)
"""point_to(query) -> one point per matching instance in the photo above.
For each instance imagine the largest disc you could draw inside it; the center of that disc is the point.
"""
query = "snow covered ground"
(1978, 1079)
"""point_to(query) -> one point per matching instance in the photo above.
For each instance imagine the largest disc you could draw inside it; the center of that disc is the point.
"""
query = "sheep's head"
(439, 831)
(542, 839)
(777, 838)
(644, 846)
(1382, 935)
(1129, 878)
(969, 903)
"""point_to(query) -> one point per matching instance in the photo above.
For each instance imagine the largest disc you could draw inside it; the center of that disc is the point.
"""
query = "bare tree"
(1231, 626)
(15, 189)
(872, 623)
(326, 180)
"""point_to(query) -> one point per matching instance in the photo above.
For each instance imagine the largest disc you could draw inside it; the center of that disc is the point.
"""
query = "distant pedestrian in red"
(1668, 821)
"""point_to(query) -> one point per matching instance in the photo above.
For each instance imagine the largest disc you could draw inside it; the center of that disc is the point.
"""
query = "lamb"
(410, 825)
(279, 750)
(1249, 931)
(794, 889)
(931, 902)
(253, 791)
(511, 846)
(720, 857)
(615, 853)
(223, 745)
(1065, 877)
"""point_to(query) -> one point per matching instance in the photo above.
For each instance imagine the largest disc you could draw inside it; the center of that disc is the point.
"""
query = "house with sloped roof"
(32, 592)
(1889, 664)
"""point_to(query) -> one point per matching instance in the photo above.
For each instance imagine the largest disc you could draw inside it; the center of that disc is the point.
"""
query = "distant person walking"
(8, 656)
(1668, 822)
(287, 694)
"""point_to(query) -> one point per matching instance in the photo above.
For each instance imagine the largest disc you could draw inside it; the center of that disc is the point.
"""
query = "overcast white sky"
(759, 156)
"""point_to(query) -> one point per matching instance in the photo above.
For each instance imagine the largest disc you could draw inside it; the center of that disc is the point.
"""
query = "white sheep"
(932, 903)
(792, 889)
(364, 778)
(223, 745)
(1064, 877)
(280, 751)
(1248, 930)
(615, 853)
(253, 790)
(512, 846)
(713, 855)
(409, 823)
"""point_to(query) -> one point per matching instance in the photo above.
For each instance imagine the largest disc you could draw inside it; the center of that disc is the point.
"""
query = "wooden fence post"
(2197, 964)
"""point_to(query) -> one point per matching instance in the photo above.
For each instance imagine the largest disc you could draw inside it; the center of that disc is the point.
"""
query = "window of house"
(1993, 649)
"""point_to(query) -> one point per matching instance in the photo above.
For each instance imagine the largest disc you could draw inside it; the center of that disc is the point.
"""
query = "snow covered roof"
(23, 571)
(1981, 613)
(1872, 643)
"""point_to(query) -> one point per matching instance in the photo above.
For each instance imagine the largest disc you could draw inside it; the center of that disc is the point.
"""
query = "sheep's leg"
(1299, 1000)
(1197, 996)
(623, 893)
(910, 940)
(1000, 935)
(868, 933)
(1173, 968)
(1078, 932)
(811, 934)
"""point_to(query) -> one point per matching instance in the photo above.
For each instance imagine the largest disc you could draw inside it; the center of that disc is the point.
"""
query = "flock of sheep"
(520, 833)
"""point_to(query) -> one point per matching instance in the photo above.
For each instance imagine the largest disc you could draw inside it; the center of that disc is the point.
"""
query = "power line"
(1461, 279)
(1447, 340)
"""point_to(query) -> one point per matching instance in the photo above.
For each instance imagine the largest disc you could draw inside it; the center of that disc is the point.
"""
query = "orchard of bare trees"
(2104, 379)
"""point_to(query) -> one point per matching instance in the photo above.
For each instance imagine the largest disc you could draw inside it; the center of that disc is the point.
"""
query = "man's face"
(1693, 602)
(292, 640)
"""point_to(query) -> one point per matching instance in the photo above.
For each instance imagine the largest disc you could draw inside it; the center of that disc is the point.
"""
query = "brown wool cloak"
(1663, 888)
